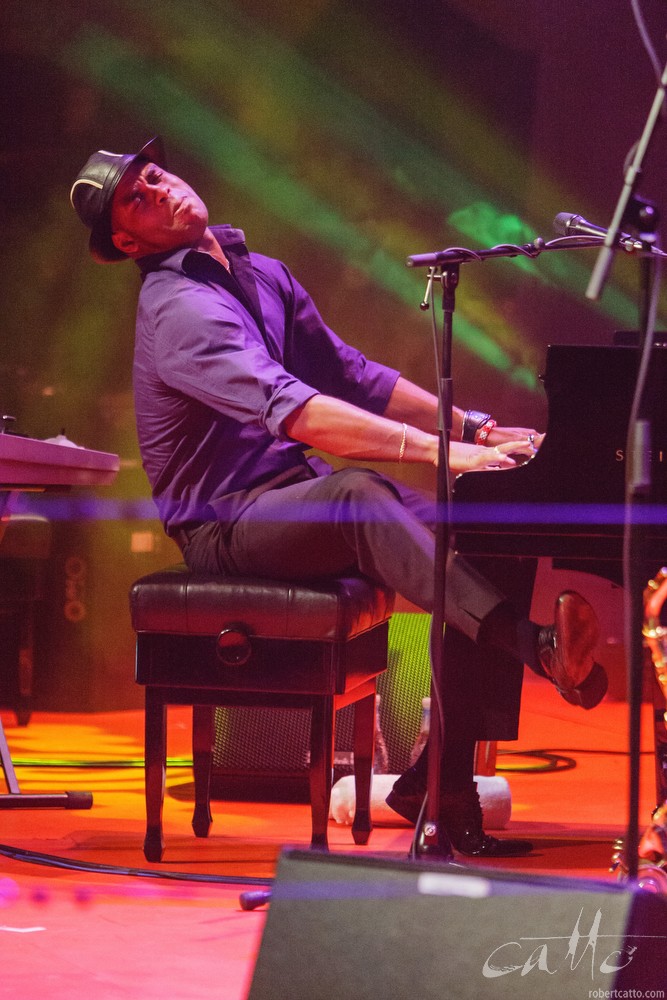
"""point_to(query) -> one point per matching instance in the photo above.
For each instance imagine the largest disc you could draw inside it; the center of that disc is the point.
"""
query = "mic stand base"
(433, 842)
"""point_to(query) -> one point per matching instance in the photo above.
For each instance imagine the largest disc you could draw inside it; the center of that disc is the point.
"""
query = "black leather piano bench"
(208, 641)
(25, 547)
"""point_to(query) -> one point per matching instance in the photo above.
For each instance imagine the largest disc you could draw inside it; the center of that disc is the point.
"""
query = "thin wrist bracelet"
(401, 450)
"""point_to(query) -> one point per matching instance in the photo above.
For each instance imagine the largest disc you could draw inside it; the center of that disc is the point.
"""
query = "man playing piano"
(236, 377)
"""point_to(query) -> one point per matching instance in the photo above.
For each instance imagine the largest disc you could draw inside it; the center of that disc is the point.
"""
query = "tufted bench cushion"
(180, 602)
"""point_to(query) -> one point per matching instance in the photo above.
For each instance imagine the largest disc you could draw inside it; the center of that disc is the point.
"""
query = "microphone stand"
(432, 839)
(638, 469)
(444, 267)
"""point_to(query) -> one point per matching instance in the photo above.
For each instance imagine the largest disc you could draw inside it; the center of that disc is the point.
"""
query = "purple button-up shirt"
(220, 361)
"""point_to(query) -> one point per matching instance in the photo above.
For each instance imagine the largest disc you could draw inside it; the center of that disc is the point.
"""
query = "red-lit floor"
(117, 934)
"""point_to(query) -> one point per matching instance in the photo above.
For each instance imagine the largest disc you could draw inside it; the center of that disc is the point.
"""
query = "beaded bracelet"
(473, 420)
(483, 432)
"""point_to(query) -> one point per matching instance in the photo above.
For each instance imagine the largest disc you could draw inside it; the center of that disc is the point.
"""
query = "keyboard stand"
(14, 798)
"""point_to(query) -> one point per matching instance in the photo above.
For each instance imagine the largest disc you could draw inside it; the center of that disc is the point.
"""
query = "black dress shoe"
(483, 845)
(461, 817)
(566, 651)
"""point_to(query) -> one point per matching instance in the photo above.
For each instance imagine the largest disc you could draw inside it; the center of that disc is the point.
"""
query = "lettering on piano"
(658, 456)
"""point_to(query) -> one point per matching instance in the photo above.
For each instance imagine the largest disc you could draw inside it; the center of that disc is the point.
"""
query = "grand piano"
(57, 464)
(567, 502)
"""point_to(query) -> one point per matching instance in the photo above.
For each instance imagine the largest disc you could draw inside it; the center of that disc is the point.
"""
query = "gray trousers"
(359, 520)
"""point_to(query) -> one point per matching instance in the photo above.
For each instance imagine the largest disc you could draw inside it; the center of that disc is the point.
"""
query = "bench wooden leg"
(155, 768)
(321, 765)
(203, 740)
(363, 745)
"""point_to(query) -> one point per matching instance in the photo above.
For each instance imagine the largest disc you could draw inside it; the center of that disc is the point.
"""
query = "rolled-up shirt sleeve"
(207, 349)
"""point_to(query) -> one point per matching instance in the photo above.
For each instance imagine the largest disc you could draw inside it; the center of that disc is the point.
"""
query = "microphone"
(251, 900)
(567, 224)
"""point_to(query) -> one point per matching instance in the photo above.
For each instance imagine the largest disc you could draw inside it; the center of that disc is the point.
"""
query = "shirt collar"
(194, 262)
(231, 240)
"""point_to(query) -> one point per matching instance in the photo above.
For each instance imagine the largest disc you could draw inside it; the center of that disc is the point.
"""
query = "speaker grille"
(270, 743)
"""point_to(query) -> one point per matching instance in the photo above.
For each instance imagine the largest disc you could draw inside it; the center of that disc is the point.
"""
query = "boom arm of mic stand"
(460, 255)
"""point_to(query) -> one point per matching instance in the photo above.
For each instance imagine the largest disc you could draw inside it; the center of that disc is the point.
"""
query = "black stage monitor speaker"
(375, 929)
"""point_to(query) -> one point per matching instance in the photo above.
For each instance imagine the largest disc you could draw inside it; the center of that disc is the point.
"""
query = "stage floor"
(81, 909)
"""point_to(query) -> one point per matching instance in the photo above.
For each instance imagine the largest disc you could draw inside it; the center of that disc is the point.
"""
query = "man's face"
(154, 211)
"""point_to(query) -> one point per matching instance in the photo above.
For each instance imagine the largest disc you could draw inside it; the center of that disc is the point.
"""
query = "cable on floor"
(553, 759)
(54, 861)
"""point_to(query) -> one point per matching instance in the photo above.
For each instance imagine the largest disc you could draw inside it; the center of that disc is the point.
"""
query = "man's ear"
(124, 242)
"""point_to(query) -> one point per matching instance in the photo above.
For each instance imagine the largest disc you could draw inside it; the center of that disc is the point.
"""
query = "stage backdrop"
(341, 137)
